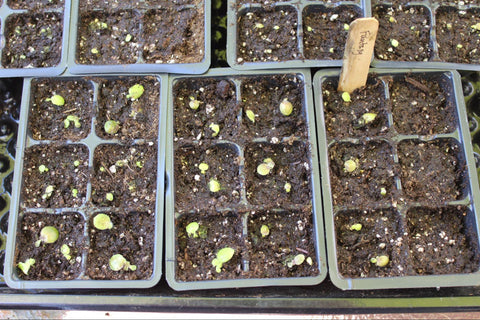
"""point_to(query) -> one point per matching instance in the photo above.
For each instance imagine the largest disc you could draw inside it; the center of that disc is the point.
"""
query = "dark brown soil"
(129, 4)
(62, 174)
(442, 241)
(129, 173)
(432, 172)
(292, 165)
(195, 255)
(46, 120)
(192, 186)
(324, 31)
(457, 41)
(290, 234)
(409, 26)
(363, 186)
(37, 4)
(263, 96)
(267, 34)
(217, 105)
(50, 263)
(423, 106)
(138, 118)
(33, 40)
(345, 119)
(380, 234)
(133, 236)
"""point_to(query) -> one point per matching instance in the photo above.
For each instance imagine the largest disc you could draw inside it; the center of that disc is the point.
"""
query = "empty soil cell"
(442, 240)
(195, 185)
(423, 106)
(137, 118)
(365, 234)
(50, 263)
(458, 35)
(195, 254)
(403, 34)
(267, 34)
(54, 176)
(290, 233)
(288, 180)
(48, 118)
(325, 31)
(133, 236)
(362, 174)
(33, 40)
(263, 96)
(354, 118)
(125, 176)
(201, 103)
(433, 172)
(37, 4)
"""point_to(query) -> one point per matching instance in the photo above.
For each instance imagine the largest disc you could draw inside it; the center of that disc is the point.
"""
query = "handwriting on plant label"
(363, 40)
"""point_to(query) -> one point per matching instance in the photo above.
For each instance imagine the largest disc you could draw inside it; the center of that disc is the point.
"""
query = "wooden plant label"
(358, 54)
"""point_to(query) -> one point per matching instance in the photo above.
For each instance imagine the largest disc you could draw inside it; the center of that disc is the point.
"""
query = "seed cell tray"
(223, 127)
(289, 34)
(400, 188)
(140, 37)
(66, 176)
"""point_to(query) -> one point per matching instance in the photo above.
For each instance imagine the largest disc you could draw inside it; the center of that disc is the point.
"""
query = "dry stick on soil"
(358, 54)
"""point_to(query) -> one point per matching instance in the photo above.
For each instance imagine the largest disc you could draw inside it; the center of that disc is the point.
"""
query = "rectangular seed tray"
(235, 214)
(309, 41)
(459, 25)
(106, 22)
(39, 138)
(400, 240)
(52, 18)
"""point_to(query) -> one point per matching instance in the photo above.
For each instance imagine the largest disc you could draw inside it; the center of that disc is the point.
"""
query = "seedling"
(42, 168)
(394, 43)
(296, 261)
(94, 51)
(368, 117)
(309, 261)
(74, 119)
(265, 167)
(25, 266)
(135, 91)
(215, 128)
(65, 250)
(48, 234)
(383, 191)
(139, 164)
(48, 192)
(288, 187)
(346, 96)
(223, 255)
(380, 261)
(264, 230)
(102, 222)
(214, 185)
(76, 163)
(250, 115)
(111, 126)
(350, 165)
(476, 27)
(118, 262)
(286, 107)
(356, 227)
(192, 229)
(194, 103)
(57, 100)
(128, 38)
(74, 193)
(121, 163)
(109, 196)
(203, 167)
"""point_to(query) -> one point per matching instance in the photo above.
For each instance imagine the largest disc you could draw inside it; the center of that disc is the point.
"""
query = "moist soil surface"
(50, 263)
(132, 236)
(61, 173)
(47, 120)
(33, 40)
(37, 4)
(138, 118)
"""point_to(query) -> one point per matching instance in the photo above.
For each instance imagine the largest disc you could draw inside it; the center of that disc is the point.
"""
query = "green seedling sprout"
(102, 222)
(120, 163)
(265, 167)
(94, 51)
(346, 97)
(139, 164)
(346, 26)
(109, 196)
(128, 38)
(214, 185)
(111, 126)
(394, 43)
(380, 261)
(192, 229)
(74, 119)
(264, 230)
(215, 128)
(383, 191)
(356, 227)
(65, 250)
(286, 107)
(476, 26)
(350, 165)
(42, 168)
(118, 262)
(76, 163)
(135, 91)
(223, 255)
(250, 115)
(203, 167)
(194, 103)
(57, 100)
(288, 187)
(48, 192)
(25, 266)
(296, 261)
(74, 193)
(48, 234)
(309, 261)
(368, 117)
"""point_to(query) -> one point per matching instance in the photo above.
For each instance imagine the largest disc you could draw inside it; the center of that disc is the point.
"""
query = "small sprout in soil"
(264, 230)
(192, 229)
(380, 261)
(121, 163)
(74, 119)
(309, 29)
(57, 100)
(76, 163)
(350, 165)
(203, 167)
(42, 168)
(194, 103)
(109, 196)
(74, 193)
(476, 27)
(288, 187)
(48, 192)
(309, 261)
(296, 261)
(259, 25)
(383, 191)
(139, 164)
(102, 169)
(214, 185)
(392, 20)
(223, 255)
(128, 38)
(65, 250)
(215, 128)
(394, 43)
(368, 117)
(102, 222)
(264, 168)
(118, 262)
(48, 234)
(112, 126)
(459, 46)
(25, 266)
(356, 227)
(250, 115)
(135, 91)
(346, 97)
(94, 51)
(286, 107)
(346, 26)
